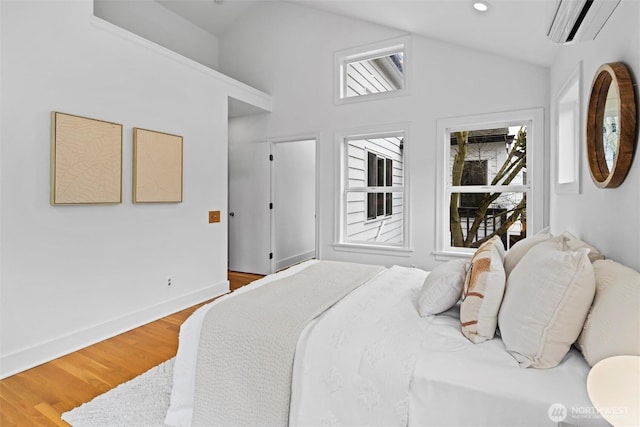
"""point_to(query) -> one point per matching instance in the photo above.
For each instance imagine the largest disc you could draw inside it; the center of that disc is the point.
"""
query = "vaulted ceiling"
(511, 28)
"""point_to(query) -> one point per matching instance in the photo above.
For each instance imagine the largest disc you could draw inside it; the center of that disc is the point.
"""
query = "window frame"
(534, 187)
(342, 139)
(370, 51)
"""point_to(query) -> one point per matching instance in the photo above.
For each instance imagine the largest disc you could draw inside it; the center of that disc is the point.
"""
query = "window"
(488, 179)
(372, 191)
(568, 136)
(373, 71)
(379, 174)
(373, 75)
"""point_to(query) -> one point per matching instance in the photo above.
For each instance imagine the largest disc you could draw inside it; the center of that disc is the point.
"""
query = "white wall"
(297, 70)
(154, 22)
(608, 219)
(73, 275)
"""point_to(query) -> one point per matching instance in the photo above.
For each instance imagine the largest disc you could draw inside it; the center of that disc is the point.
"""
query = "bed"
(371, 359)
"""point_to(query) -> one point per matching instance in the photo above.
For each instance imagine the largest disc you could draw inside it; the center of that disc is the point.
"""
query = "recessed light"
(481, 6)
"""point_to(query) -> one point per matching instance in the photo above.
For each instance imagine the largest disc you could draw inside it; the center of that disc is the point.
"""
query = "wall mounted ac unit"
(579, 20)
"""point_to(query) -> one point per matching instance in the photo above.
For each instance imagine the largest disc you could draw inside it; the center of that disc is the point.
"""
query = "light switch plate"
(214, 216)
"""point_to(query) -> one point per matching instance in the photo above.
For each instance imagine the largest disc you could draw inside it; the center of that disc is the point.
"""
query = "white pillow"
(572, 243)
(442, 288)
(547, 299)
(521, 247)
(613, 325)
(482, 292)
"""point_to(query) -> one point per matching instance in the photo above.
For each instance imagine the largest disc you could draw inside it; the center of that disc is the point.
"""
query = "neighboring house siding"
(364, 77)
(388, 229)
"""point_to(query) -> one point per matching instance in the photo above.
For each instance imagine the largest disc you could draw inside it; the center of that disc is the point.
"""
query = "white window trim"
(340, 194)
(575, 78)
(400, 44)
(535, 164)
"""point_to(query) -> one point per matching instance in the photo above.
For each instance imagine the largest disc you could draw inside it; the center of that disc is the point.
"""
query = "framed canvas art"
(157, 167)
(86, 160)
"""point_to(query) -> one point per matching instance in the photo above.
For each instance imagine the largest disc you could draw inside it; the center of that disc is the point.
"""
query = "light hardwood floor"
(38, 396)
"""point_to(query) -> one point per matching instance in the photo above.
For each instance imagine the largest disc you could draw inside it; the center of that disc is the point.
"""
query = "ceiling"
(511, 28)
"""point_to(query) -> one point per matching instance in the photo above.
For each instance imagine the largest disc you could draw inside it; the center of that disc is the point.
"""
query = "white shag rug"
(141, 402)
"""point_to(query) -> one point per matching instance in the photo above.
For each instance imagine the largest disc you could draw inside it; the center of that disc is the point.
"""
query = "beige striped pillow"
(482, 292)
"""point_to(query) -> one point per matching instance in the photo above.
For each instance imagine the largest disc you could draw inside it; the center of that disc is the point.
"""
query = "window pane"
(372, 165)
(387, 229)
(496, 213)
(372, 210)
(567, 157)
(375, 75)
(488, 156)
(380, 204)
(380, 182)
(389, 203)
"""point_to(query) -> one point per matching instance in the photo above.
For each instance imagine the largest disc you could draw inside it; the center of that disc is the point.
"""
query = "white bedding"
(372, 360)
(458, 383)
(353, 365)
(184, 381)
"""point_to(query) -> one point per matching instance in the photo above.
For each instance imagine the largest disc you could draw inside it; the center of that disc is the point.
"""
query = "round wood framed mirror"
(611, 125)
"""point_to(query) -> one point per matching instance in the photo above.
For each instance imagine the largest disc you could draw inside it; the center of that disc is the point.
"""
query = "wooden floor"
(39, 396)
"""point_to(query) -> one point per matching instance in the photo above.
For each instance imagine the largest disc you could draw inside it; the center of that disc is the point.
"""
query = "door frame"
(296, 138)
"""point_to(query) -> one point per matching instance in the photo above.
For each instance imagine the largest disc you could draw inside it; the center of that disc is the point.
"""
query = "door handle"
(232, 214)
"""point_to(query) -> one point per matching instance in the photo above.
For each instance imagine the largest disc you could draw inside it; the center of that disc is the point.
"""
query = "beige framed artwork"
(157, 167)
(86, 160)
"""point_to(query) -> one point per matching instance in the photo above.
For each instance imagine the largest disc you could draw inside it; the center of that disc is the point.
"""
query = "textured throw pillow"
(517, 251)
(442, 287)
(613, 325)
(545, 304)
(482, 292)
(572, 243)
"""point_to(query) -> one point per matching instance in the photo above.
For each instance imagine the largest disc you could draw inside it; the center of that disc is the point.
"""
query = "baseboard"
(38, 354)
(296, 259)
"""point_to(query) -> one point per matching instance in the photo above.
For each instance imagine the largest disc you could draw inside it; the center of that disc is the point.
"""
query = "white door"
(293, 172)
(249, 213)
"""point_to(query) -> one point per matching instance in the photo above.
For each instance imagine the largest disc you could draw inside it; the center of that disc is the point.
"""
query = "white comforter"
(372, 360)
(354, 365)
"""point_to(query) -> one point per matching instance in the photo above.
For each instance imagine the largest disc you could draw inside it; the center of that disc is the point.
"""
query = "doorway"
(272, 202)
(293, 191)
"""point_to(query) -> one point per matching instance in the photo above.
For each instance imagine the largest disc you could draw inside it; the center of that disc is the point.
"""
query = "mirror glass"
(610, 126)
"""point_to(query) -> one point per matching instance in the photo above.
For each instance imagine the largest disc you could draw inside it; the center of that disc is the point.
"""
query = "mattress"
(372, 360)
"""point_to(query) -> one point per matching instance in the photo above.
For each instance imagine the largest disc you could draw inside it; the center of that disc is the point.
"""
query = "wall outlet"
(169, 280)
